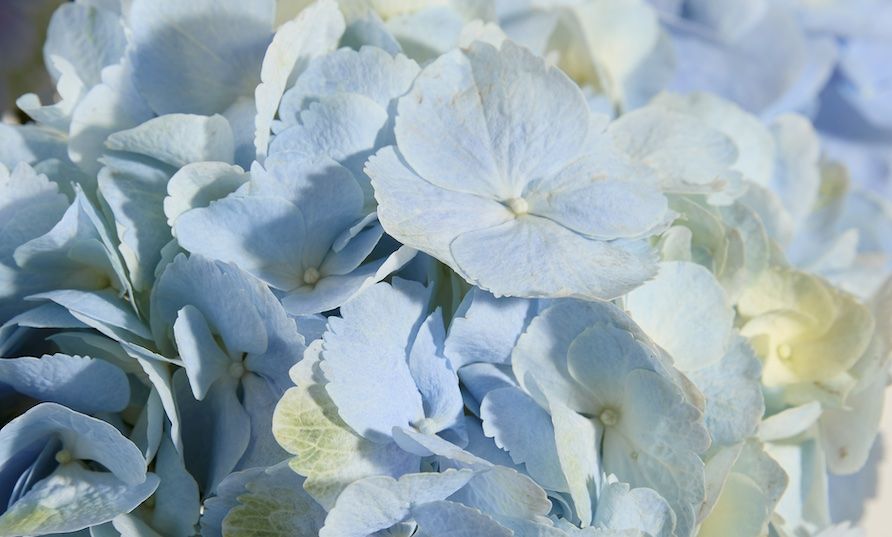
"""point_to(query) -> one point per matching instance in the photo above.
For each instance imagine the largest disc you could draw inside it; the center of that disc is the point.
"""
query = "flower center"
(784, 351)
(426, 426)
(311, 276)
(237, 369)
(518, 206)
(609, 417)
(63, 456)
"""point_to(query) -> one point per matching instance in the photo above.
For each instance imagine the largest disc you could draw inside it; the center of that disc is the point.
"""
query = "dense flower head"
(546, 268)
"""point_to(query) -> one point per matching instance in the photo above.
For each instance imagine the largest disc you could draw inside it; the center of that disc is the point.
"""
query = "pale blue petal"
(259, 398)
(578, 442)
(656, 445)
(436, 381)
(217, 433)
(310, 326)
(41, 468)
(103, 310)
(733, 392)
(365, 359)
(200, 56)
(241, 116)
(178, 139)
(81, 383)
(377, 503)
(69, 88)
(368, 29)
(356, 250)
(15, 332)
(345, 127)
(31, 207)
(202, 357)
(73, 498)
(176, 499)
(198, 184)
(225, 499)
(504, 493)
(273, 502)
(621, 507)
(479, 379)
(600, 356)
(427, 445)
(468, 125)
(685, 153)
(301, 180)
(135, 192)
(149, 426)
(696, 335)
(159, 375)
(201, 283)
(109, 107)
(21, 462)
(426, 33)
(313, 32)
(485, 328)
(738, 69)
(86, 37)
(369, 71)
(262, 235)
(542, 352)
(77, 250)
(130, 525)
(85, 438)
(251, 324)
(566, 264)
(330, 292)
(422, 215)
(525, 430)
(329, 198)
(29, 144)
(610, 208)
(450, 519)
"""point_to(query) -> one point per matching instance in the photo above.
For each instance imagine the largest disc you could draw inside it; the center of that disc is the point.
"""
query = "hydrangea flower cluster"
(442, 267)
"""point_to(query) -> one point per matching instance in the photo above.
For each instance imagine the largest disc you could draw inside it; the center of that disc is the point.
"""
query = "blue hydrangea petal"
(455, 520)
(436, 381)
(356, 376)
(313, 32)
(87, 37)
(31, 207)
(525, 430)
(217, 434)
(566, 263)
(73, 498)
(176, 499)
(259, 398)
(81, 383)
(427, 217)
(198, 184)
(85, 438)
(621, 507)
(262, 235)
(112, 106)
(467, 124)
(485, 328)
(198, 57)
(369, 71)
(203, 360)
(135, 192)
(178, 139)
(377, 503)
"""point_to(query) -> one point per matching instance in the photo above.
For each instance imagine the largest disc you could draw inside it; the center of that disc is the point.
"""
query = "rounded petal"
(535, 257)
